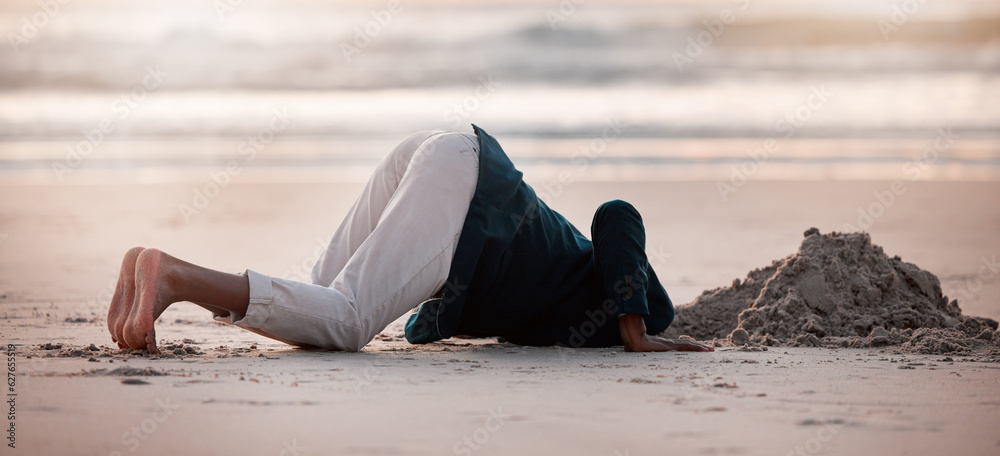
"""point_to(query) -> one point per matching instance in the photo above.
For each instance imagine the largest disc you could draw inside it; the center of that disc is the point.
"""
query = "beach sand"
(238, 393)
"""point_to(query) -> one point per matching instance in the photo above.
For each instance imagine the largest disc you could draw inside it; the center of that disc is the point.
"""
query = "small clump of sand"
(839, 290)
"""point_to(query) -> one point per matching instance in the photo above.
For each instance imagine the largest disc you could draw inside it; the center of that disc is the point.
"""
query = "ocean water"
(651, 90)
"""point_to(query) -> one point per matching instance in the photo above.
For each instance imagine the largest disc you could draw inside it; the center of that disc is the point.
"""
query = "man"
(444, 215)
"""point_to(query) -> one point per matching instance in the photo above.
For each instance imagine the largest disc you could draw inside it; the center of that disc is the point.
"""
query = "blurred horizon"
(677, 90)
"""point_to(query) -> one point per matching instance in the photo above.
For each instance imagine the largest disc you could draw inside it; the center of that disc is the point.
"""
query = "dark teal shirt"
(523, 272)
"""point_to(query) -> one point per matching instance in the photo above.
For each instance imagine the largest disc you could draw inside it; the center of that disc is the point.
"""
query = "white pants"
(391, 252)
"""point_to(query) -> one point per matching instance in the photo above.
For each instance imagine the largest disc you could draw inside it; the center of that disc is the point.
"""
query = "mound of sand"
(839, 290)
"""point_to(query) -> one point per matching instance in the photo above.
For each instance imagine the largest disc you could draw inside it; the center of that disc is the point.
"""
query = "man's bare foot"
(153, 294)
(121, 302)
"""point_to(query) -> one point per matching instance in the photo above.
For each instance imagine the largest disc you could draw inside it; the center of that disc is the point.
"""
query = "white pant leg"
(364, 215)
(402, 261)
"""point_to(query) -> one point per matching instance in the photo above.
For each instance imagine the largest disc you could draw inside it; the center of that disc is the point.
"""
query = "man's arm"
(633, 330)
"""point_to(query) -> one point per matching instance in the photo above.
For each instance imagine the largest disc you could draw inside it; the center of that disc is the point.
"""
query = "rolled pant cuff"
(259, 307)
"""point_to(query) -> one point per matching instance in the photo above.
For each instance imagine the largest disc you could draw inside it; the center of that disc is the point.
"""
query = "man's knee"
(444, 143)
(439, 154)
(404, 151)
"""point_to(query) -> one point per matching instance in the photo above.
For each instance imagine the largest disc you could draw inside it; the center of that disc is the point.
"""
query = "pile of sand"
(839, 290)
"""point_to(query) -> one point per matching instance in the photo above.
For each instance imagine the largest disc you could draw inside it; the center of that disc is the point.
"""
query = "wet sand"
(229, 391)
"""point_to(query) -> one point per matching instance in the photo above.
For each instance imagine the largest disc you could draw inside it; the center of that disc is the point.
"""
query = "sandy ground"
(237, 393)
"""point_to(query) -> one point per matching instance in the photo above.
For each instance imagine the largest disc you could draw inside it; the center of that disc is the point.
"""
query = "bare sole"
(139, 330)
(121, 302)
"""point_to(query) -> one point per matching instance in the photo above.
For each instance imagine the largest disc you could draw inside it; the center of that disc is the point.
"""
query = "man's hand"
(633, 330)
